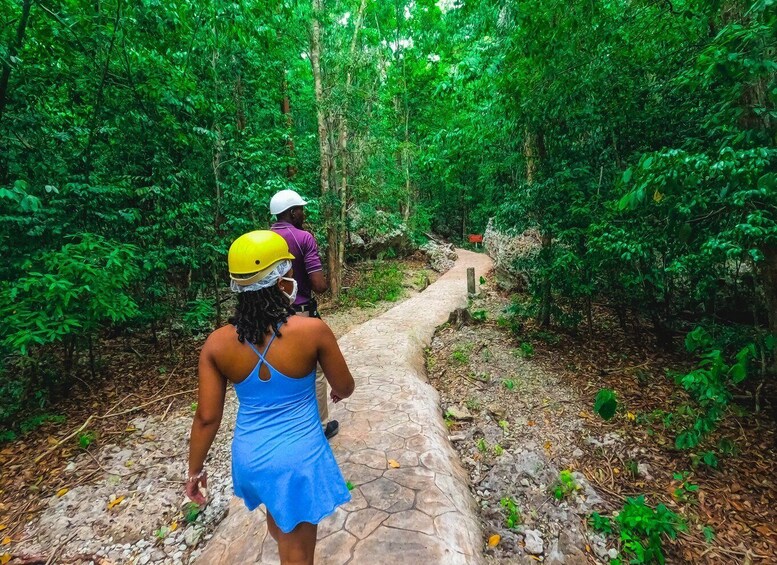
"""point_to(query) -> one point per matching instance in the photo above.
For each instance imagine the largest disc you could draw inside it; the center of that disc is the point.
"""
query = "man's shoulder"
(282, 227)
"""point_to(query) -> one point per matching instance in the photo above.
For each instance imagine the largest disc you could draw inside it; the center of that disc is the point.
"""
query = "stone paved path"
(420, 512)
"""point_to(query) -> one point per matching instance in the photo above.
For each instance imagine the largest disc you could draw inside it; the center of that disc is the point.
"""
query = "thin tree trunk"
(769, 282)
(291, 169)
(323, 132)
(98, 106)
(13, 50)
(546, 295)
(325, 155)
(343, 148)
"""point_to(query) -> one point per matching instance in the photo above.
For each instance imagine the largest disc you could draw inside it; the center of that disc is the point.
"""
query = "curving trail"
(420, 511)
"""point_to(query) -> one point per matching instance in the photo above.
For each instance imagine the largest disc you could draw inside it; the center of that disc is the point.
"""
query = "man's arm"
(313, 266)
(318, 282)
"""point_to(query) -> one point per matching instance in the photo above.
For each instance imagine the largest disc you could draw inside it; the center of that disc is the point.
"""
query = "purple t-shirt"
(303, 246)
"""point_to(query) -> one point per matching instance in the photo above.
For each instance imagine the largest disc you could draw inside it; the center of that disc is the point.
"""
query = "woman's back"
(294, 352)
(279, 449)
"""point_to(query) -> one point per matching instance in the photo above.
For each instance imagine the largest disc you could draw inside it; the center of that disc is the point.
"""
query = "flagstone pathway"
(410, 502)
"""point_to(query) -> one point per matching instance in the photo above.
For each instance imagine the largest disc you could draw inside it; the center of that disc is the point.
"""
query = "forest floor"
(519, 405)
(122, 425)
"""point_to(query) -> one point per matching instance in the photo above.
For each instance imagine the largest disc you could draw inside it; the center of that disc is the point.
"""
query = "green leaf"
(606, 403)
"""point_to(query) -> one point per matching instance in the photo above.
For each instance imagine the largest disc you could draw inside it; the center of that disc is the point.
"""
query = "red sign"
(475, 238)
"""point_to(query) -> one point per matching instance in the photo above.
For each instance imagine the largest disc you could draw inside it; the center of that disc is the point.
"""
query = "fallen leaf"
(615, 470)
(5, 558)
(6, 541)
(548, 445)
(2, 527)
(631, 416)
(393, 463)
(115, 501)
(531, 423)
(173, 526)
(494, 540)
(62, 492)
(52, 440)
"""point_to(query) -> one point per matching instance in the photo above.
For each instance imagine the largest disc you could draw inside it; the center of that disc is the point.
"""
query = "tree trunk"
(534, 152)
(769, 282)
(343, 144)
(291, 169)
(546, 296)
(325, 155)
(13, 50)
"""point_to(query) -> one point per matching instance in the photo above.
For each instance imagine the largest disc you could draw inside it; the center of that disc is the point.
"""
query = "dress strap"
(269, 343)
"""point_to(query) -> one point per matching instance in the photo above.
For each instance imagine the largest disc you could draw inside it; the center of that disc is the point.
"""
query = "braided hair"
(260, 311)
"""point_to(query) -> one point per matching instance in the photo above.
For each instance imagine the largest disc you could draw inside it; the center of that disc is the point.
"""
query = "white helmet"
(283, 200)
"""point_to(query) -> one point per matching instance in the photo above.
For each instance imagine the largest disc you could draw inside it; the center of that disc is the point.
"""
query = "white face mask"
(293, 294)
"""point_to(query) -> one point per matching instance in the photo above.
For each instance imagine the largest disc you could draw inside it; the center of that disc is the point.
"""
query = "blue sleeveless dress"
(280, 456)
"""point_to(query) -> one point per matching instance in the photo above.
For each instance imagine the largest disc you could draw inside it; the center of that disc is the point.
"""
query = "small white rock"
(532, 542)
(613, 553)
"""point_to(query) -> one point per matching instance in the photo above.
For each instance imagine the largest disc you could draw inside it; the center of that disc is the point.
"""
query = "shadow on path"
(411, 503)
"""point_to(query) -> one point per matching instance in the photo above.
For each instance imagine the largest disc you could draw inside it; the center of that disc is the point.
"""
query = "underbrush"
(384, 281)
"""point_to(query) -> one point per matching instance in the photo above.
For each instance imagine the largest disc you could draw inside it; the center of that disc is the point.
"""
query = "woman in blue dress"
(280, 457)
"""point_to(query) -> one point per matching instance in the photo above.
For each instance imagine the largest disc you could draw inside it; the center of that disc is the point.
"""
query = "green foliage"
(513, 517)
(460, 355)
(641, 529)
(498, 450)
(601, 524)
(200, 315)
(472, 403)
(85, 439)
(191, 510)
(527, 350)
(382, 282)
(480, 315)
(67, 292)
(710, 384)
(62, 298)
(565, 485)
(482, 445)
(350, 485)
(509, 384)
(685, 488)
(606, 403)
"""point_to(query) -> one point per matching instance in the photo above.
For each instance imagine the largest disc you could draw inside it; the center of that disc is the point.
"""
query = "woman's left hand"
(192, 487)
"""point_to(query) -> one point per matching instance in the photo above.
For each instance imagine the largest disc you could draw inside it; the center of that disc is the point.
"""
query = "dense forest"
(637, 138)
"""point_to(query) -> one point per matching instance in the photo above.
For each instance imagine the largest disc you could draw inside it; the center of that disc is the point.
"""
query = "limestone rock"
(532, 542)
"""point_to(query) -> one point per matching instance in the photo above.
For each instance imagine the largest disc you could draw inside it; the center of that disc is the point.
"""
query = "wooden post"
(471, 280)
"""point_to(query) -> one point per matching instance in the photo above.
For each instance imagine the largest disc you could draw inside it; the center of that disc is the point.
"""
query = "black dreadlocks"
(260, 311)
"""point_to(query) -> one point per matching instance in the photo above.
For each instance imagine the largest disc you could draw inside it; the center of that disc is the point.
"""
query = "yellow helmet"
(253, 255)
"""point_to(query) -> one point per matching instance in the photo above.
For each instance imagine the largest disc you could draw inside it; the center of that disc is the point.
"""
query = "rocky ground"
(516, 427)
(117, 498)
(518, 401)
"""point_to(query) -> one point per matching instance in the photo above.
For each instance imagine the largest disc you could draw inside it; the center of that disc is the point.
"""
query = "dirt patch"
(520, 412)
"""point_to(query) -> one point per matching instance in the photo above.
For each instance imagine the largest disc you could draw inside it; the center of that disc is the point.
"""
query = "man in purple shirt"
(287, 206)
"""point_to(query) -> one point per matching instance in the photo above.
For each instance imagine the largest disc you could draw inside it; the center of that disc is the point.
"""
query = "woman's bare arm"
(333, 364)
(207, 418)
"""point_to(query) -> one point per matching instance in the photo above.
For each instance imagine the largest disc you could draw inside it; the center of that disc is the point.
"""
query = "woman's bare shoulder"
(220, 337)
(306, 325)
